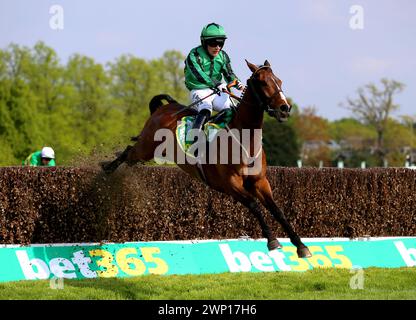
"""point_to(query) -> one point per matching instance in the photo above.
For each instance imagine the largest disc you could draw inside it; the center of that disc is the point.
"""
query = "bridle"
(264, 102)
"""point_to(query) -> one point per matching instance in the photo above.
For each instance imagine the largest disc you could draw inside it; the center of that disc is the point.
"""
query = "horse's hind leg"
(142, 151)
(110, 167)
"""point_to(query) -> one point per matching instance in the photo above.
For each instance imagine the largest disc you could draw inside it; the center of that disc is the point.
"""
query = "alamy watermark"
(231, 146)
(357, 280)
(357, 18)
(56, 283)
(56, 21)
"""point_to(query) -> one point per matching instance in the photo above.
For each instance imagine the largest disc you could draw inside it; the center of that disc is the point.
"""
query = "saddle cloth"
(213, 125)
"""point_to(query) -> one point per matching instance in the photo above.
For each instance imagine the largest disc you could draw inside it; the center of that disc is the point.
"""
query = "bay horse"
(263, 94)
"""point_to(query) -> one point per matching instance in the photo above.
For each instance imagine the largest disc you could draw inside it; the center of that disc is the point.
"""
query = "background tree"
(134, 81)
(20, 119)
(280, 143)
(398, 139)
(171, 77)
(353, 138)
(374, 107)
(314, 137)
(81, 107)
(93, 117)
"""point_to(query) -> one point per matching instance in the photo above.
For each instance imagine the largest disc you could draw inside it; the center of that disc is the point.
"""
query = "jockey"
(205, 67)
(44, 158)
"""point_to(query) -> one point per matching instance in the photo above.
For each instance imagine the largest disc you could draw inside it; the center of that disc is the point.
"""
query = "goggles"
(215, 42)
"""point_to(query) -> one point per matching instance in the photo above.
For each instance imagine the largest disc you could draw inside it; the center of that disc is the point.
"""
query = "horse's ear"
(267, 63)
(252, 67)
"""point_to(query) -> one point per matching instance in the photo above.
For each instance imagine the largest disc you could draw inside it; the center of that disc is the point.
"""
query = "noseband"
(263, 102)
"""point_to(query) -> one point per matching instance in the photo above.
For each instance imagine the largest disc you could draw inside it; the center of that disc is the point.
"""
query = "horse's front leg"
(264, 194)
(272, 242)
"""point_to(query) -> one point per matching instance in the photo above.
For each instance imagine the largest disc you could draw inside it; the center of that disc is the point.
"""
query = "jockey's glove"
(222, 87)
(237, 84)
(216, 88)
(219, 87)
(240, 86)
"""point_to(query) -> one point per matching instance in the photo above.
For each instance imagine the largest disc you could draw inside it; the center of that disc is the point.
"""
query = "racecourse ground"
(372, 283)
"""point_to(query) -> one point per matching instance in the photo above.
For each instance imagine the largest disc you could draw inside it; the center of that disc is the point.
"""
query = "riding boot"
(199, 122)
(200, 119)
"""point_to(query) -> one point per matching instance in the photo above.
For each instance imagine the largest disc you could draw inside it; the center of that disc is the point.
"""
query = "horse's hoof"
(304, 252)
(106, 166)
(274, 244)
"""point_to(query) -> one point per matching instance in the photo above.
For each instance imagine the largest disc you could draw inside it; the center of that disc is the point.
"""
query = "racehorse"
(263, 94)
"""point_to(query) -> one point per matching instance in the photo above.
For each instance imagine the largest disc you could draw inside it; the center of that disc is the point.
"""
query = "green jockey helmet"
(212, 31)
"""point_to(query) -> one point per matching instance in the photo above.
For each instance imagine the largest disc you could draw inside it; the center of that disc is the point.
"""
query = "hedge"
(141, 203)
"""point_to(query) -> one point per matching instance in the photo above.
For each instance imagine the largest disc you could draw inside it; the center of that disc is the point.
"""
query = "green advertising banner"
(92, 260)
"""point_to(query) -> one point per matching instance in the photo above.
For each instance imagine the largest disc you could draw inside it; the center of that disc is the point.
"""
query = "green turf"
(314, 284)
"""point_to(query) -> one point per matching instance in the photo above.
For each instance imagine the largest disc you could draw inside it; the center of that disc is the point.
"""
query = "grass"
(313, 284)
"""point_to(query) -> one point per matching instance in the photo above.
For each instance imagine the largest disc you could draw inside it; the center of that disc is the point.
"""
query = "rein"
(265, 105)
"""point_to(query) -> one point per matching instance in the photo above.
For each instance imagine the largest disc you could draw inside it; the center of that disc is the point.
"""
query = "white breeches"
(214, 102)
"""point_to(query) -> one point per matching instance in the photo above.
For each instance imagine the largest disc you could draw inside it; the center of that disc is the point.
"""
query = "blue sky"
(309, 43)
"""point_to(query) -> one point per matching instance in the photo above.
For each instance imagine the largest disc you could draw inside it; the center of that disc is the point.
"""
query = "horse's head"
(267, 90)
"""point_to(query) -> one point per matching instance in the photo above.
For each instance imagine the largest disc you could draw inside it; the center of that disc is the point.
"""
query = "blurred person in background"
(41, 158)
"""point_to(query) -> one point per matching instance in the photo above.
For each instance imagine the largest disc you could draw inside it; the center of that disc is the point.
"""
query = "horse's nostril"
(284, 108)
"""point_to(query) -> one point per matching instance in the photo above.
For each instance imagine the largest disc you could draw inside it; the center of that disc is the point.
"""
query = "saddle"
(211, 127)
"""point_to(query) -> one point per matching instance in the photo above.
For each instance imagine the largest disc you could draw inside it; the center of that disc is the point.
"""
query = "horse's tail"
(156, 102)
